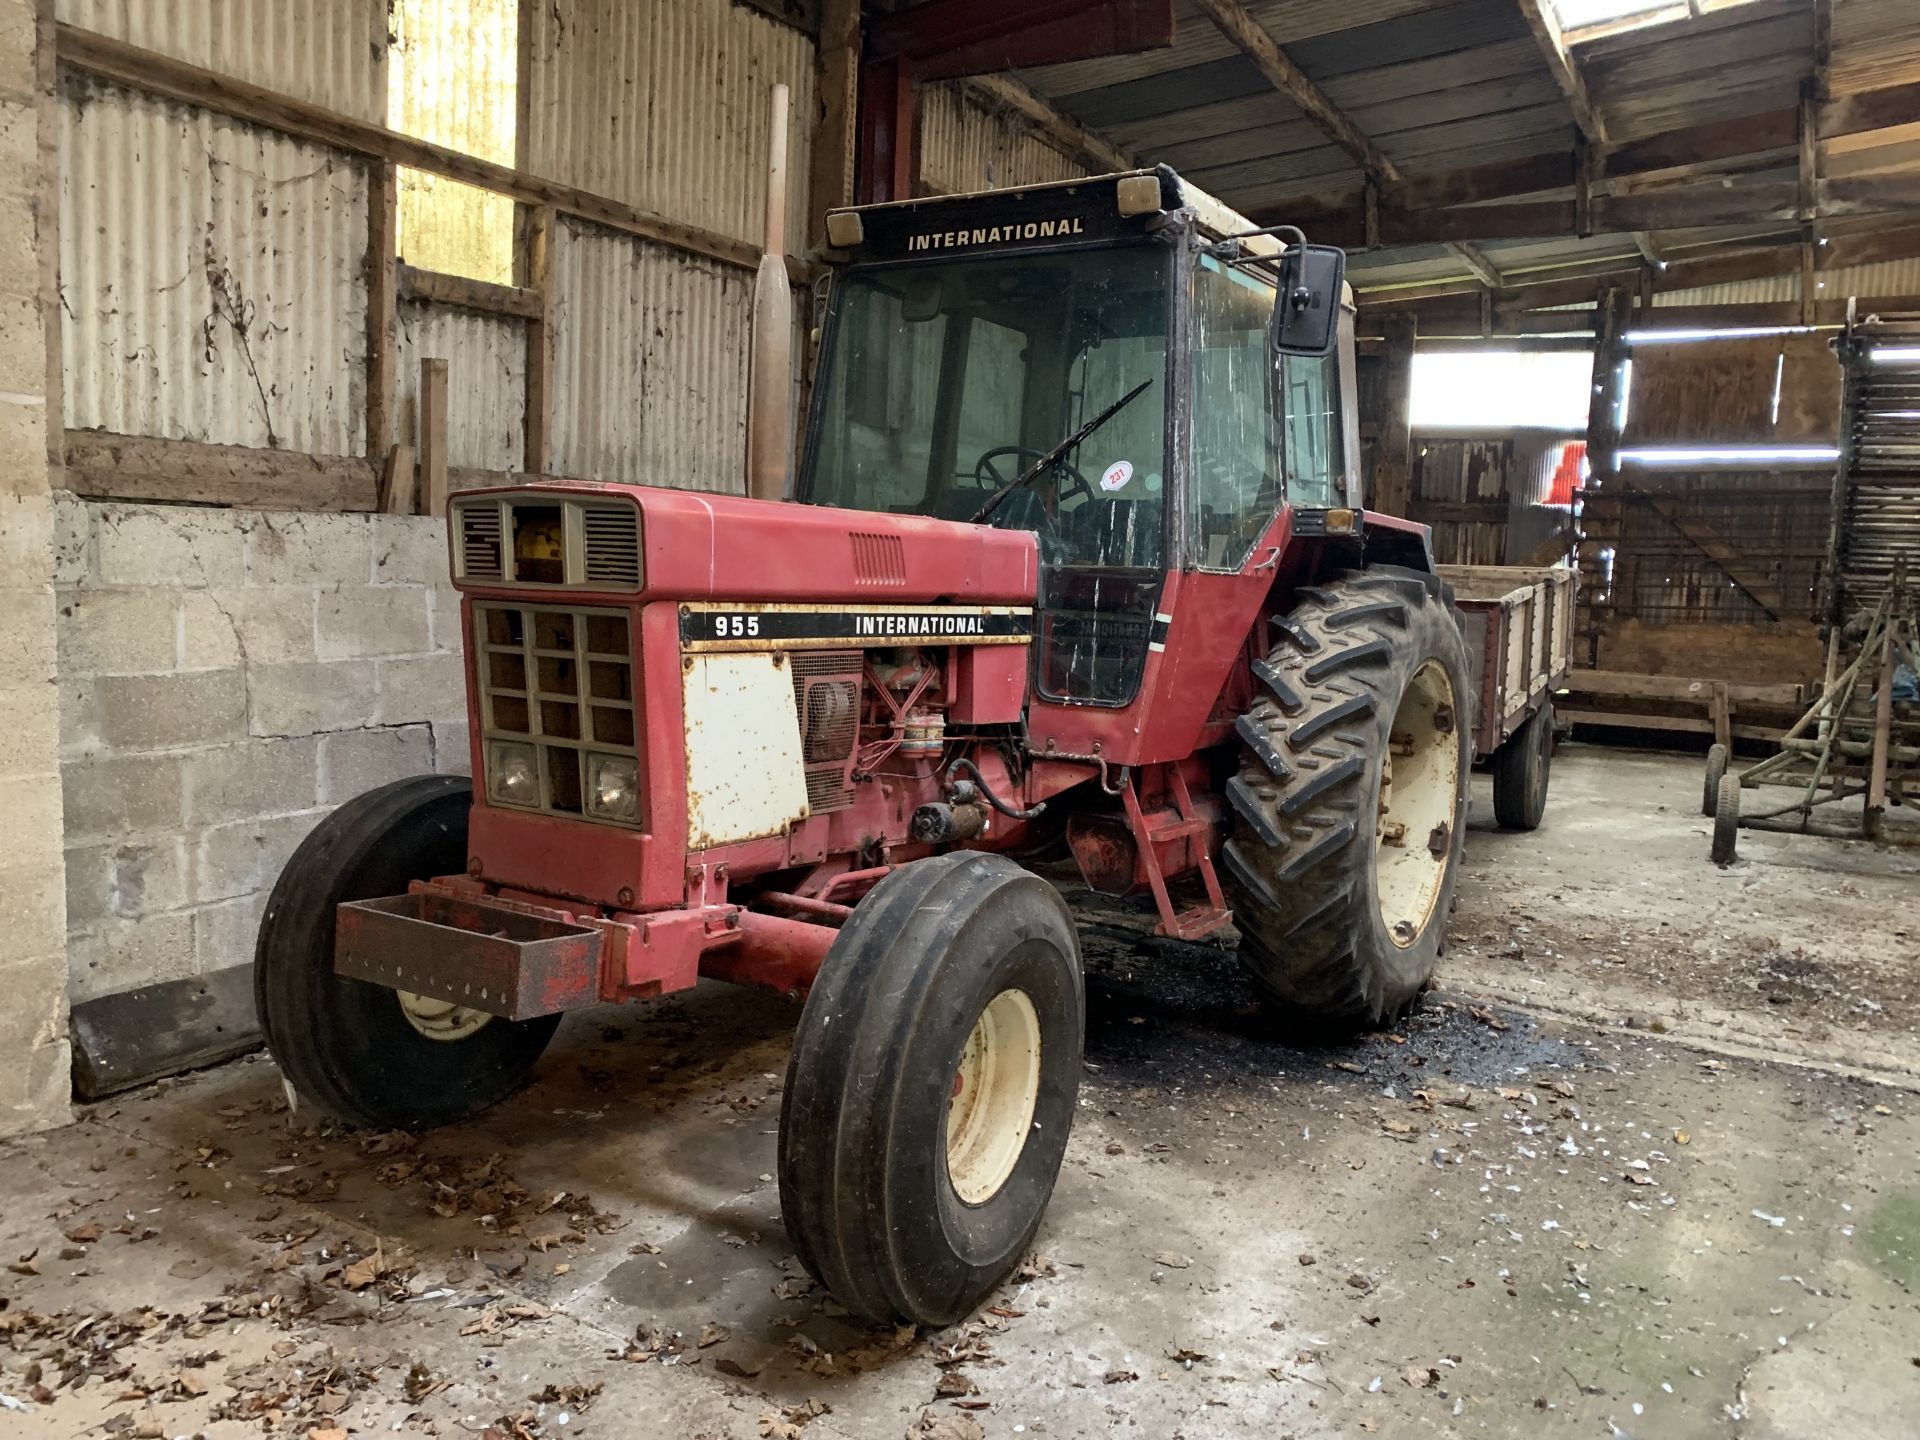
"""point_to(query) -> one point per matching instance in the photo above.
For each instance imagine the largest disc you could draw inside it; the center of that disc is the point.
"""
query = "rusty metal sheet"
(488, 957)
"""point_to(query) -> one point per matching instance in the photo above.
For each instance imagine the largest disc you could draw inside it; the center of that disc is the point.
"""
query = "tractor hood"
(687, 545)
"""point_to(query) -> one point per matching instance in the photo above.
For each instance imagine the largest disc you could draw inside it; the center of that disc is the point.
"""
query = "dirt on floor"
(1600, 1183)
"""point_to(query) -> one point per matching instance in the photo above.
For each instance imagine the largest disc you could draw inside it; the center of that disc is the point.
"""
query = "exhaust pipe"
(770, 361)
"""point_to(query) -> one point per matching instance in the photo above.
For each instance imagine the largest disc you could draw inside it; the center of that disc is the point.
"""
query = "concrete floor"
(1647, 1164)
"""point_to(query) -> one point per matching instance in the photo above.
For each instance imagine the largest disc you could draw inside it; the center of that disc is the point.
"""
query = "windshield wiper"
(1053, 455)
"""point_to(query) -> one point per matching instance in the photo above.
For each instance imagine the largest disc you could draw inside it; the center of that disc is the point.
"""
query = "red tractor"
(1075, 562)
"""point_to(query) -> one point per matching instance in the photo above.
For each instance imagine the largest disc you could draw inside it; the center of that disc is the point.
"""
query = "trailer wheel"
(931, 1088)
(1716, 767)
(1726, 820)
(1350, 802)
(362, 1052)
(1521, 768)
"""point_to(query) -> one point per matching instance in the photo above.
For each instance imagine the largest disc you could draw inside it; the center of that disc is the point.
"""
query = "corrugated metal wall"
(329, 52)
(650, 363)
(662, 104)
(968, 145)
(1890, 277)
(211, 277)
(486, 359)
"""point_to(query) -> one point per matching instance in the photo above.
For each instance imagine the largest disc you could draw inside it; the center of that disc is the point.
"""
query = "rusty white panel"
(211, 277)
(486, 359)
(745, 776)
(650, 364)
(966, 144)
(663, 104)
(328, 52)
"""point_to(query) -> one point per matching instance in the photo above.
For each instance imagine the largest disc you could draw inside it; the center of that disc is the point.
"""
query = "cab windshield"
(946, 382)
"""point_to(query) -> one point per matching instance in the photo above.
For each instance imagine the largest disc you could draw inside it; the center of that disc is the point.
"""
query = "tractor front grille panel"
(826, 692)
(558, 681)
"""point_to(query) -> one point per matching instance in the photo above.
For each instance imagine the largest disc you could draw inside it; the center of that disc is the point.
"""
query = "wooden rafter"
(1483, 269)
(1064, 134)
(1547, 34)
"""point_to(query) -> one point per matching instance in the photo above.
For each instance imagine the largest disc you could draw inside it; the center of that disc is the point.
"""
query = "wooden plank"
(1609, 328)
(1233, 21)
(1631, 685)
(156, 74)
(398, 482)
(837, 83)
(1393, 451)
(541, 222)
(382, 289)
(1084, 147)
(1682, 724)
(1458, 512)
(103, 466)
(431, 286)
(1545, 27)
(49, 120)
(433, 436)
(1720, 711)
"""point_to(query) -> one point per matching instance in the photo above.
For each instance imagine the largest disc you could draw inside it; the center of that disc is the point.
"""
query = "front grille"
(826, 691)
(481, 555)
(558, 682)
(612, 544)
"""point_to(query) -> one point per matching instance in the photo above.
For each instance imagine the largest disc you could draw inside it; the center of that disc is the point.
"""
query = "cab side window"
(1236, 462)
(1313, 429)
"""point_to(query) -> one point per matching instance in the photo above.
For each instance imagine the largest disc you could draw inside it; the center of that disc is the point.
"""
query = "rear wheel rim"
(440, 1020)
(1419, 793)
(996, 1087)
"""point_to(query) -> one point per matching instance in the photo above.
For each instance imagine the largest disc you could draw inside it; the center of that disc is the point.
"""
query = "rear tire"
(1726, 821)
(1521, 768)
(349, 1046)
(1716, 768)
(1310, 865)
(921, 1136)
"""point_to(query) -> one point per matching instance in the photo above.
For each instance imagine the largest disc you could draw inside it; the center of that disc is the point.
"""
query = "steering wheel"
(989, 477)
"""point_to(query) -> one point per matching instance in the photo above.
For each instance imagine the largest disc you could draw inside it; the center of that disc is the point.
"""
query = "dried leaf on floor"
(951, 1384)
(946, 1427)
(712, 1333)
(1172, 1260)
(1121, 1377)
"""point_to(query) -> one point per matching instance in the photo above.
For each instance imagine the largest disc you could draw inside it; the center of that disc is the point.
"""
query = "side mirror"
(1306, 312)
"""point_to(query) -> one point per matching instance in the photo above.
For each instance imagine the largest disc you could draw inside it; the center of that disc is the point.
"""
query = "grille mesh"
(826, 689)
(612, 545)
(480, 551)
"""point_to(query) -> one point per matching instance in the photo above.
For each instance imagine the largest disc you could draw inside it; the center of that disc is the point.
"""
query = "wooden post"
(837, 78)
(1609, 328)
(397, 482)
(433, 436)
(1722, 711)
(1393, 456)
(540, 227)
(382, 322)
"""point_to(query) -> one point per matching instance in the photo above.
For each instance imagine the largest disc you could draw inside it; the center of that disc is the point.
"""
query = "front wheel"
(1716, 771)
(362, 1052)
(931, 1088)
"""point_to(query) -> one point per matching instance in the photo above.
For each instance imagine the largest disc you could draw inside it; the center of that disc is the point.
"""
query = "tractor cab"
(1091, 362)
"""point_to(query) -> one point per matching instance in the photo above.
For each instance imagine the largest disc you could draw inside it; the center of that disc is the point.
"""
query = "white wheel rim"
(440, 1019)
(1419, 793)
(995, 1089)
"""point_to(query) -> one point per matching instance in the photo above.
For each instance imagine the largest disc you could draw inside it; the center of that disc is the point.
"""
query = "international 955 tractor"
(1075, 562)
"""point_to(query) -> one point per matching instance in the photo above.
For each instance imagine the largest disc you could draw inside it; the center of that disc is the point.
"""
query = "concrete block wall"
(226, 678)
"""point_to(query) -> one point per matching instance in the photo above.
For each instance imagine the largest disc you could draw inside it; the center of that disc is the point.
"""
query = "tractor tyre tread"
(1312, 937)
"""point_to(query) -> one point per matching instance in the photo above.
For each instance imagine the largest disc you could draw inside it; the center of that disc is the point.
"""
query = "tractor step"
(1198, 923)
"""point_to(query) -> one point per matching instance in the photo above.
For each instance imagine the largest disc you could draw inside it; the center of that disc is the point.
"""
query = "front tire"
(1716, 771)
(1344, 852)
(362, 1052)
(931, 1088)
(1726, 821)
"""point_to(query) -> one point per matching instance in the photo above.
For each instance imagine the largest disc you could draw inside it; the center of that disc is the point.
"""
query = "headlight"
(513, 775)
(613, 787)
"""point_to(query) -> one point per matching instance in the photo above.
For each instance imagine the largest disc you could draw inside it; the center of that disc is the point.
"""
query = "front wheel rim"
(440, 1020)
(1419, 792)
(996, 1088)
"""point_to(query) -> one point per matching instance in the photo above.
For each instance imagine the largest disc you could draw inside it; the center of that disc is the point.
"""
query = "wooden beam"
(1552, 43)
(1632, 685)
(431, 402)
(433, 287)
(1823, 49)
(382, 289)
(1809, 138)
(1252, 40)
(1609, 349)
(541, 223)
(1482, 268)
(1393, 448)
(1649, 251)
(837, 81)
(1061, 132)
(102, 466)
(154, 74)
